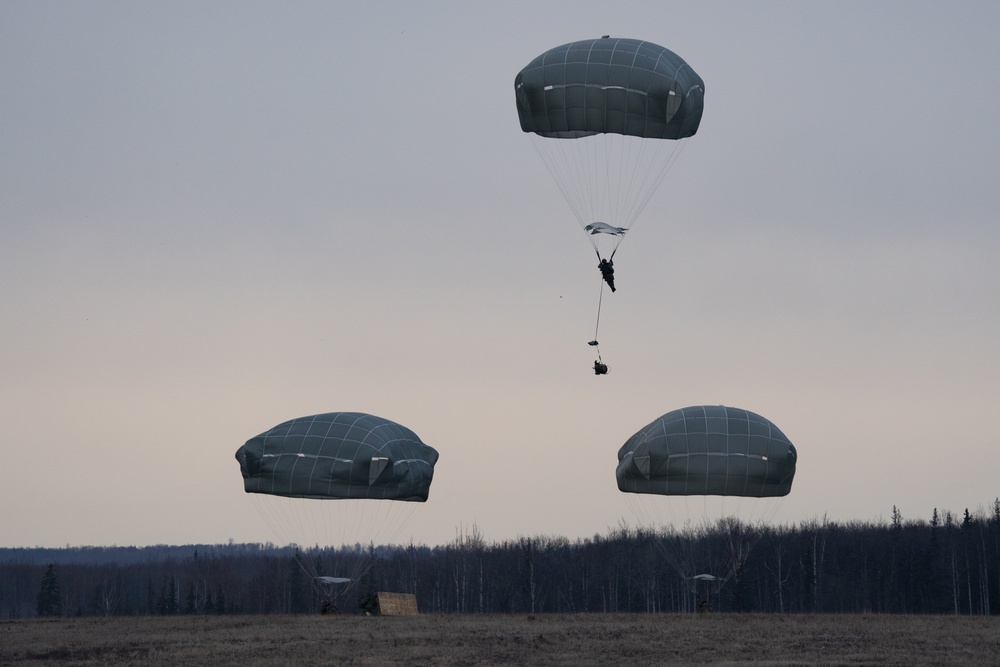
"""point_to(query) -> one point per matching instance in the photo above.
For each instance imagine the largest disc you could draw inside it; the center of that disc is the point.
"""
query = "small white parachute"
(605, 228)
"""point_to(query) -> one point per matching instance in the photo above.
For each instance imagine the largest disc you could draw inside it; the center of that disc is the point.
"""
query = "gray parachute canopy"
(620, 86)
(708, 450)
(338, 455)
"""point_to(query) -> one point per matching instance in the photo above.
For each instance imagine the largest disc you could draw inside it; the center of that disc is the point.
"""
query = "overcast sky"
(219, 216)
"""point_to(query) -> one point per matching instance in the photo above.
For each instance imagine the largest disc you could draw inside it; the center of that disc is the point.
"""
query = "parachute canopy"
(708, 450)
(338, 455)
(619, 86)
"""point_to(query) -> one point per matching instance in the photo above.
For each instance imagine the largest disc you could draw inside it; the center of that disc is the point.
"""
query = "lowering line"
(600, 300)
(600, 368)
(597, 326)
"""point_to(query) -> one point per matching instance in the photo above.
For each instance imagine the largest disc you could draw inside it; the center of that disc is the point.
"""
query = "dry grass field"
(571, 640)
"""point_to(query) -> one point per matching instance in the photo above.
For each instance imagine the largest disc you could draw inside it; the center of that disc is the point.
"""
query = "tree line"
(948, 564)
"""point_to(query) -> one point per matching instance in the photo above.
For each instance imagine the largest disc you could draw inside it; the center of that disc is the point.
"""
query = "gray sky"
(219, 216)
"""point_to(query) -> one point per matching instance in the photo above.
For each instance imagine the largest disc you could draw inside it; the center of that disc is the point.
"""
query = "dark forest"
(947, 564)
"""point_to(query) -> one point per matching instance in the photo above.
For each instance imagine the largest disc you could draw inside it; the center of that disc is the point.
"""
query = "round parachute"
(608, 114)
(708, 450)
(608, 117)
(703, 480)
(346, 480)
(338, 455)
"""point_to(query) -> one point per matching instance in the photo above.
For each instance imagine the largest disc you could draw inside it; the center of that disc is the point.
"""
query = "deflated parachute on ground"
(708, 450)
(338, 455)
(621, 86)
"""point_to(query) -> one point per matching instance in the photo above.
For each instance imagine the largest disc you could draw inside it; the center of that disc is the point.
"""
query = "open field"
(437, 641)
